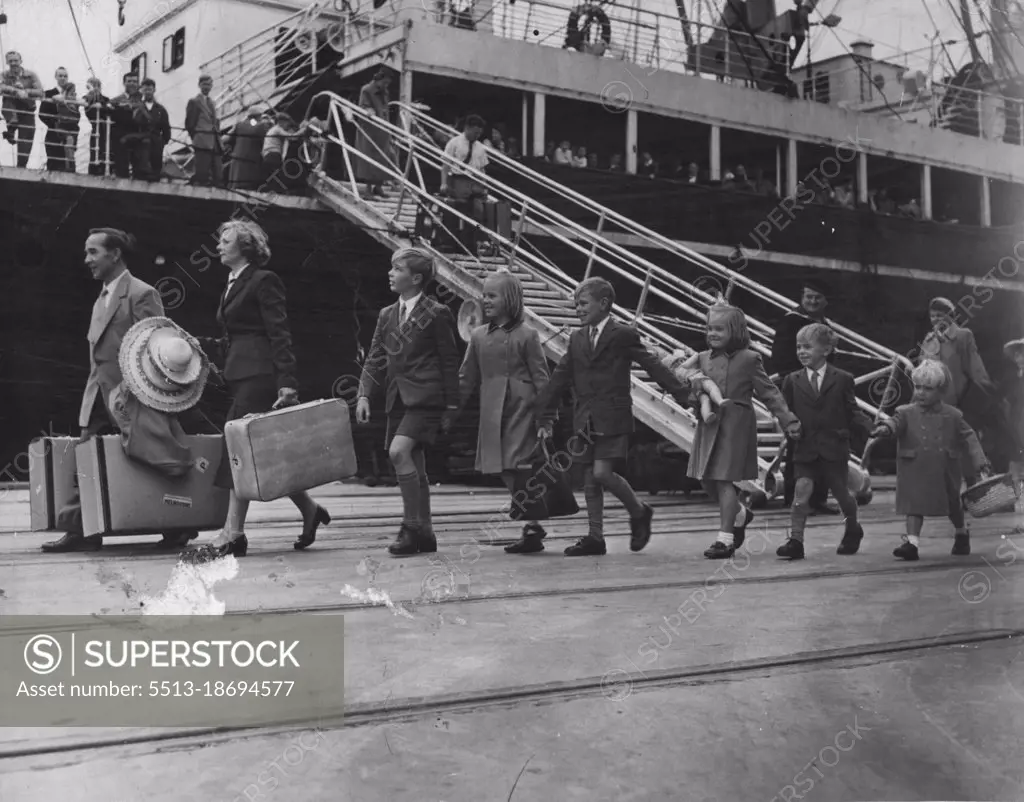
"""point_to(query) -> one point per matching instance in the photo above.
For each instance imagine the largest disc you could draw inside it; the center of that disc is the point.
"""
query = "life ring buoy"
(577, 35)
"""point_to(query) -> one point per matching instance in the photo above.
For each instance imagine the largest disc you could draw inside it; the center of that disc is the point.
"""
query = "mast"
(965, 21)
(684, 21)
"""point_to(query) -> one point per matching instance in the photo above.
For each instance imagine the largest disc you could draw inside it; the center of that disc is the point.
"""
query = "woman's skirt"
(375, 144)
(251, 396)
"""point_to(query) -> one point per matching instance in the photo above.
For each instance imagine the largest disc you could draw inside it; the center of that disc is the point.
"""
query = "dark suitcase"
(442, 228)
(498, 217)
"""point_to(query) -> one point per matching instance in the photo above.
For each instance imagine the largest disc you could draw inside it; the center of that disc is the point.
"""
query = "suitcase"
(290, 450)
(498, 217)
(124, 497)
(442, 229)
(52, 479)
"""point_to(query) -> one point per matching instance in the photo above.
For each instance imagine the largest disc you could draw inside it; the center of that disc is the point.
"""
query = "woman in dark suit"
(259, 367)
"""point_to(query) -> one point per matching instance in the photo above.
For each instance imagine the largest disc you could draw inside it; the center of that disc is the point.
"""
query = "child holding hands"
(725, 450)
(598, 367)
(506, 362)
(822, 397)
(931, 437)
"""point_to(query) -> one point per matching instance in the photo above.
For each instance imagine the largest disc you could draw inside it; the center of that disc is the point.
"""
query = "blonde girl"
(725, 448)
(505, 362)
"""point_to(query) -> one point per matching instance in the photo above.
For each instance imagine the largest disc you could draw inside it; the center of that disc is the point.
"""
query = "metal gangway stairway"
(412, 153)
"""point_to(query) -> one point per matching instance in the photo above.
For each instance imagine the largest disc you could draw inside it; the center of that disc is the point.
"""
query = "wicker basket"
(991, 495)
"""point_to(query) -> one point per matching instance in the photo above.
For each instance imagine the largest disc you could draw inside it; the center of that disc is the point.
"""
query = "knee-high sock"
(424, 514)
(620, 488)
(409, 484)
(594, 495)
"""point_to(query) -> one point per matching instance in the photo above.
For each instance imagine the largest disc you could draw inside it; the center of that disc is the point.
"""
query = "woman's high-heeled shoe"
(208, 553)
(305, 540)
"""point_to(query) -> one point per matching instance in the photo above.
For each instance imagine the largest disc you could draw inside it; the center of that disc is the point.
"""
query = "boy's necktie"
(816, 384)
(593, 337)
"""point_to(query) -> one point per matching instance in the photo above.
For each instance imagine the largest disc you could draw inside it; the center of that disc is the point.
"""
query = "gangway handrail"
(432, 153)
(581, 233)
(540, 265)
(437, 158)
(632, 227)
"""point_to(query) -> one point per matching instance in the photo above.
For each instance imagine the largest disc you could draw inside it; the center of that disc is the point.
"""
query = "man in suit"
(123, 302)
(970, 389)
(823, 399)
(783, 362)
(598, 367)
(414, 358)
(155, 123)
(129, 145)
(204, 129)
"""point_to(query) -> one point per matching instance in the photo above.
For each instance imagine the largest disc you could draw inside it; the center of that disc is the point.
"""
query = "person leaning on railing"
(59, 112)
(97, 110)
(21, 89)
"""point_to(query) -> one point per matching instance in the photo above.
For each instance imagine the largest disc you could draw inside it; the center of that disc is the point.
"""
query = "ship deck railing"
(935, 104)
(265, 66)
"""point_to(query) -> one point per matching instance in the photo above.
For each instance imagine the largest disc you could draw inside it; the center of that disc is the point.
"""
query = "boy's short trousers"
(420, 424)
(827, 471)
(597, 446)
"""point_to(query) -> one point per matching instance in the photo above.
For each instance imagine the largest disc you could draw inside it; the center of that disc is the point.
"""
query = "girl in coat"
(506, 363)
(725, 448)
(931, 437)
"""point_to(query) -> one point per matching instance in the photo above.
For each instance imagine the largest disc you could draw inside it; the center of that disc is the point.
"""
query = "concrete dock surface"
(656, 675)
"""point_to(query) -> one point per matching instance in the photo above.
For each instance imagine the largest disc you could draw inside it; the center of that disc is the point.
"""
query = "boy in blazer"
(598, 367)
(414, 359)
(822, 397)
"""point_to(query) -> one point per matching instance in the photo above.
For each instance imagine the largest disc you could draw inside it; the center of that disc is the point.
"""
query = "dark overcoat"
(930, 444)
(725, 450)
(508, 366)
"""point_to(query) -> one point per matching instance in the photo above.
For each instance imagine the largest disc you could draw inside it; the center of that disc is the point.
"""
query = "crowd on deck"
(129, 134)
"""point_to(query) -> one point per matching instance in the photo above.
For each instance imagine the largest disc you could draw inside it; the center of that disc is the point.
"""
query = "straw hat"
(163, 366)
(1012, 347)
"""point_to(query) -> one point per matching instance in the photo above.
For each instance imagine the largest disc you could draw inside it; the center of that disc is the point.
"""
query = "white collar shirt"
(465, 152)
(111, 289)
(820, 373)
(406, 307)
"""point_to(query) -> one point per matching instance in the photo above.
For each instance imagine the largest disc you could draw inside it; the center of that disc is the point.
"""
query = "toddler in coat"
(505, 362)
(931, 437)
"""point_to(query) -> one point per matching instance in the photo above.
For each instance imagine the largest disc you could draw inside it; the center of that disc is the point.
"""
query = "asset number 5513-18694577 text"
(220, 688)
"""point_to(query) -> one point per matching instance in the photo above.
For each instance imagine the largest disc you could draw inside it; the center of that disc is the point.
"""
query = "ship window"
(139, 66)
(174, 50)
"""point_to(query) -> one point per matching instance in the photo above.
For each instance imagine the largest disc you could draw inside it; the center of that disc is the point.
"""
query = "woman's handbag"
(544, 490)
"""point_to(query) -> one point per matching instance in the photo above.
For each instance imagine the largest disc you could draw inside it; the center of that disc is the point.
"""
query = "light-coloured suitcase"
(124, 497)
(290, 450)
(52, 479)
